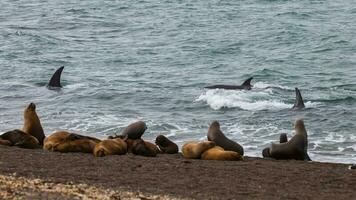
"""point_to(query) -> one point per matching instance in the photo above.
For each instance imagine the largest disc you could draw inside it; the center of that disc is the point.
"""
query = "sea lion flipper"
(299, 103)
(55, 81)
(306, 157)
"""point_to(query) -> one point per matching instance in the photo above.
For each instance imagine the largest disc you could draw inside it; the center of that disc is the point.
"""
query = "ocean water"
(134, 60)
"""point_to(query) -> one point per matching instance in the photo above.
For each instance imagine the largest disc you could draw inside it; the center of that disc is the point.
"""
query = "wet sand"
(39, 174)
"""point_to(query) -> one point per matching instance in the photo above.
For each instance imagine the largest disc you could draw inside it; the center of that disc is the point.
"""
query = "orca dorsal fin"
(299, 103)
(55, 81)
(247, 82)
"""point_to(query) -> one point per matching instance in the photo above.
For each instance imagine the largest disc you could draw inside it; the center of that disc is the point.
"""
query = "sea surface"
(130, 60)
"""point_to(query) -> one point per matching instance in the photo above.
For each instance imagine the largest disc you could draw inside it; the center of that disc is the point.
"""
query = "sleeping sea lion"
(218, 153)
(296, 148)
(216, 135)
(32, 124)
(142, 148)
(110, 147)
(63, 141)
(20, 139)
(194, 150)
(165, 145)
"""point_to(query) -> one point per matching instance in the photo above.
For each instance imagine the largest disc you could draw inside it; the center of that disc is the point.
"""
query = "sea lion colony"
(217, 146)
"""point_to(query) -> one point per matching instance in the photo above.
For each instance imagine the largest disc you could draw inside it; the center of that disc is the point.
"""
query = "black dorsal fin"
(55, 81)
(247, 82)
(299, 103)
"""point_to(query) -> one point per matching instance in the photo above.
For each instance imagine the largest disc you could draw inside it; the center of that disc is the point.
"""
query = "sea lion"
(283, 138)
(55, 81)
(134, 131)
(142, 148)
(19, 138)
(216, 135)
(63, 141)
(165, 145)
(32, 124)
(110, 147)
(218, 153)
(299, 103)
(296, 148)
(352, 166)
(194, 150)
(246, 85)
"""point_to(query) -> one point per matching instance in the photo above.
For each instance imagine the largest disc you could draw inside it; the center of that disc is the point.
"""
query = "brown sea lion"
(63, 141)
(32, 124)
(134, 130)
(166, 145)
(194, 150)
(216, 135)
(296, 148)
(20, 139)
(142, 148)
(5, 142)
(110, 147)
(218, 153)
(282, 139)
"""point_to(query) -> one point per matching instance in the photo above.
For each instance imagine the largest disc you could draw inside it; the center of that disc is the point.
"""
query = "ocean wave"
(264, 85)
(246, 100)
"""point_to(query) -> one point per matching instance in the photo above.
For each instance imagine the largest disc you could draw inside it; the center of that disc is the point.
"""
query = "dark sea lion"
(63, 141)
(194, 150)
(134, 130)
(110, 147)
(142, 148)
(218, 153)
(166, 145)
(32, 124)
(299, 103)
(295, 148)
(216, 135)
(20, 139)
(246, 85)
(55, 81)
(352, 166)
(283, 138)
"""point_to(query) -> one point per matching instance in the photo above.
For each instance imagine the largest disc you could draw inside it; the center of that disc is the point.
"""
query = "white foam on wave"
(246, 100)
(263, 85)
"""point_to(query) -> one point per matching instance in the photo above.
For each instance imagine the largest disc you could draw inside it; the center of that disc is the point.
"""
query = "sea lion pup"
(134, 130)
(32, 124)
(20, 139)
(218, 153)
(194, 150)
(110, 147)
(296, 148)
(142, 148)
(63, 141)
(165, 145)
(216, 135)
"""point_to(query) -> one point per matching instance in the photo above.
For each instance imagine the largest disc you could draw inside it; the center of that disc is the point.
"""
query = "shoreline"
(172, 176)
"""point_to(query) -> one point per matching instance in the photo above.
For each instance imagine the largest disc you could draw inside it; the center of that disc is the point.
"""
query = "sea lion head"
(30, 107)
(299, 126)
(215, 124)
(208, 144)
(162, 140)
(265, 152)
